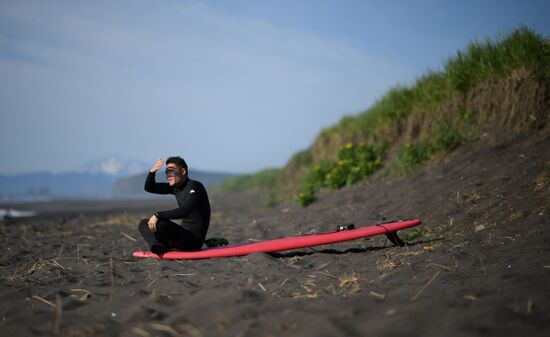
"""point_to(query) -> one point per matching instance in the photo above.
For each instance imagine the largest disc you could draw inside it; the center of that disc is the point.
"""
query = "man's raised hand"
(157, 166)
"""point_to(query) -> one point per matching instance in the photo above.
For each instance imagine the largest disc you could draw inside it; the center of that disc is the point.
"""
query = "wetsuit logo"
(192, 191)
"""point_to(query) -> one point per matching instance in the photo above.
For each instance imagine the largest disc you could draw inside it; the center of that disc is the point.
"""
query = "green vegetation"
(400, 102)
(355, 162)
(445, 138)
(216, 242)
(415, 233)
(263, 180)
(523, 48)
(301, 158)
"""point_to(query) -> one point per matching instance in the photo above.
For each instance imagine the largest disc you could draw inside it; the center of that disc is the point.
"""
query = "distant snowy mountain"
(94, 179)
(116, 166)
(107, 177)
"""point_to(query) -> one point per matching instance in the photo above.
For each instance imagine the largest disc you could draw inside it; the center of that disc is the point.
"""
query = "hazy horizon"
(232, 86)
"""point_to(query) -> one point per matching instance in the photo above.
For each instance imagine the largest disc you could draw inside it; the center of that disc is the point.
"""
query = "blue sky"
(230, 85)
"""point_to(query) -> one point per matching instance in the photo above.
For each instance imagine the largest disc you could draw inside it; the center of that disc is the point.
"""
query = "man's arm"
(181, 212)
(152, 186)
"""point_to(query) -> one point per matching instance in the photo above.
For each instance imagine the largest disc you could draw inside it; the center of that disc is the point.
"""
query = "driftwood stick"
(113, 289)
(43, 300)
(415, 297)
(165, 328)
(482, 265)
(128, 236)
(58, 314)
(140, 332)
(438, 266)
(60, 251)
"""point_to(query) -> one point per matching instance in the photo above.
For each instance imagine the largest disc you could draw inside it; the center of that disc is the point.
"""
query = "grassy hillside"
(492, 89)
(264, 180)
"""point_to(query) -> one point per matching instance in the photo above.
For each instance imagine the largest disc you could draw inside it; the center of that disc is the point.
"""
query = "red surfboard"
(282, 244)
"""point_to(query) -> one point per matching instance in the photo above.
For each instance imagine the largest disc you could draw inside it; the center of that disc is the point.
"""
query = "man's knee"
(143, 224)
(163, 226)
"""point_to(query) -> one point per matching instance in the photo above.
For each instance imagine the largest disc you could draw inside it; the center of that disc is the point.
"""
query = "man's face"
(174, 175)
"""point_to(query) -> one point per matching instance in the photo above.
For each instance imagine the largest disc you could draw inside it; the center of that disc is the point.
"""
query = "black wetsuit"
(194, 210)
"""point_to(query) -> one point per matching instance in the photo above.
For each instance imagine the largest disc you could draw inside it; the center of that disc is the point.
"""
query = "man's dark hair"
(180, 163)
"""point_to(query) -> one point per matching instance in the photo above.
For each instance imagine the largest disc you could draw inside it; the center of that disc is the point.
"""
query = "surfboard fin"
(392, 236)
(395, 239)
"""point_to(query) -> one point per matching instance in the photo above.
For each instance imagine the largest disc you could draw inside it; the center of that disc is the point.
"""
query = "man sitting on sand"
(194, 209)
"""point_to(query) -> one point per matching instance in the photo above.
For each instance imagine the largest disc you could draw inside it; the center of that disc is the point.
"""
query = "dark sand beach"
(481, 266)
